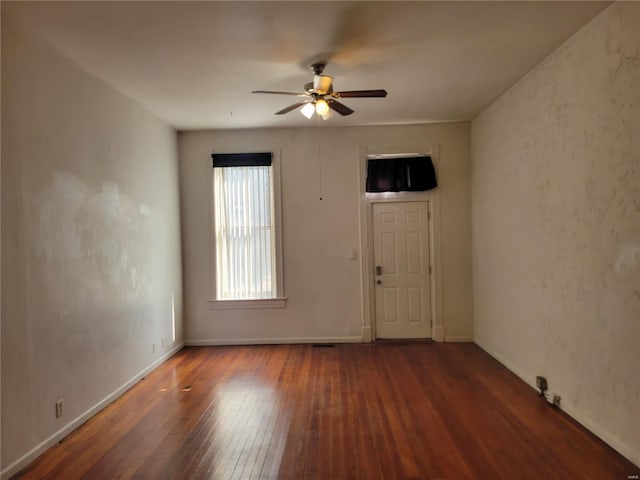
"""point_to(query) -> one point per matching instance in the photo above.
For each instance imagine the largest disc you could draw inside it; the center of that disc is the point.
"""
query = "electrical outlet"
(59, 408)
(542, 385)
(555, 399)
(153, 348)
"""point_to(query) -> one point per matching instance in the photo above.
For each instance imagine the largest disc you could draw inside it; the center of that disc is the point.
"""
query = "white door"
(401, 256)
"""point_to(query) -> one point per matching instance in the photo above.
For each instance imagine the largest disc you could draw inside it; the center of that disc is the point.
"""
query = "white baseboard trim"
(366, 334)
(438, 334)
(35, 452)
(628, 451)
(525, 377)
(462, 338)
(270, 341)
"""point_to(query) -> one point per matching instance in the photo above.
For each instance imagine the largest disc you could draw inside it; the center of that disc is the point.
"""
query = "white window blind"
(244, 233)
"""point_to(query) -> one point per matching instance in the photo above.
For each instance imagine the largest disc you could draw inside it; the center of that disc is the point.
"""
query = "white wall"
(556, 226)
(90, 243)
(322, 285)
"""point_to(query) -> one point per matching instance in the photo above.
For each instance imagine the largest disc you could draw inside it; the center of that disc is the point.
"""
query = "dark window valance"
(241, 159)
(400, 174)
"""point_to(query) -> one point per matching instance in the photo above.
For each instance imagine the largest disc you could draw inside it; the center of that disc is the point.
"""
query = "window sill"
(247, 304)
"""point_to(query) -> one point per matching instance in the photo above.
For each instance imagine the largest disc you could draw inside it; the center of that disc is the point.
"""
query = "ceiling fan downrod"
(318, 68)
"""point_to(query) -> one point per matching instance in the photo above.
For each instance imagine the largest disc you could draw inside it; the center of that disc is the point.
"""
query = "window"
(245, 231)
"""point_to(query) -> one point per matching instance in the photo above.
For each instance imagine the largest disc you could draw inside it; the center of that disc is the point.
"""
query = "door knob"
(378, 282)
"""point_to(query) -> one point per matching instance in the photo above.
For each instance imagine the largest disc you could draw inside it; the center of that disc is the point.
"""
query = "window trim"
(279, 301)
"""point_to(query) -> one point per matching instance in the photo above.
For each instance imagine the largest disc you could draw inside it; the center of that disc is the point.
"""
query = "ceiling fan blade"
(341, 108)
(290, 107)
(281, 93)
(360, 93)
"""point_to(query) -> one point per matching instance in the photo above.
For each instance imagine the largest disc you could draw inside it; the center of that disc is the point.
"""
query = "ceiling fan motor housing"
(322, 84)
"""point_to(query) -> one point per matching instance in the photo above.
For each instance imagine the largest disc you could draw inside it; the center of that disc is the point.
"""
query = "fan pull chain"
(319, 157)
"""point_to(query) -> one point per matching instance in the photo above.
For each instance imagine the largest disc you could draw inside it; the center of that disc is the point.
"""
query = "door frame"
(366, 237)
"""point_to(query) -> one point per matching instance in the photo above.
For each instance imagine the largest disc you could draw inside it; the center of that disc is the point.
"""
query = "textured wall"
(322, 284)
(556, 226)
(90, 241)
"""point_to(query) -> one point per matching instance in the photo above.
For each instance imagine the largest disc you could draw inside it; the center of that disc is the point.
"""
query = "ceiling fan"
(319, 97)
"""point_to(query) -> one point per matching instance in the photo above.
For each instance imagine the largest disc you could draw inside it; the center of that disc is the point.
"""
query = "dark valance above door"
(400, 174)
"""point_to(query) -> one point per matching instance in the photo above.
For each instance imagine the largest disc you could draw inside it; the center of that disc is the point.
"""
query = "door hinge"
(429, 269)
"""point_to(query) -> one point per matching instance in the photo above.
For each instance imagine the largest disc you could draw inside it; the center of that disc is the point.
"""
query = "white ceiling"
(195, 64)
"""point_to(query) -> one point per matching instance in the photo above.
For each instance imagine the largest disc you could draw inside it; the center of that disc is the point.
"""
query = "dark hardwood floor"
(384, 411)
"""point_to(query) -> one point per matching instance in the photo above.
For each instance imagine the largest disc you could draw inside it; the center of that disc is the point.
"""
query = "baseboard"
(525, 377)
(438, 333)
(624, 449)
(35, 452)
(366, 334)
(270, 341)
(460, 338)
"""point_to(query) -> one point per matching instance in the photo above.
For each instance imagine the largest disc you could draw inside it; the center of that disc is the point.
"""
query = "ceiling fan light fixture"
(326, 116)
(307, 110)
(322, 107)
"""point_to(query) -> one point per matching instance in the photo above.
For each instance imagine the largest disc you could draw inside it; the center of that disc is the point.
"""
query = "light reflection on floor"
(249, 431)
